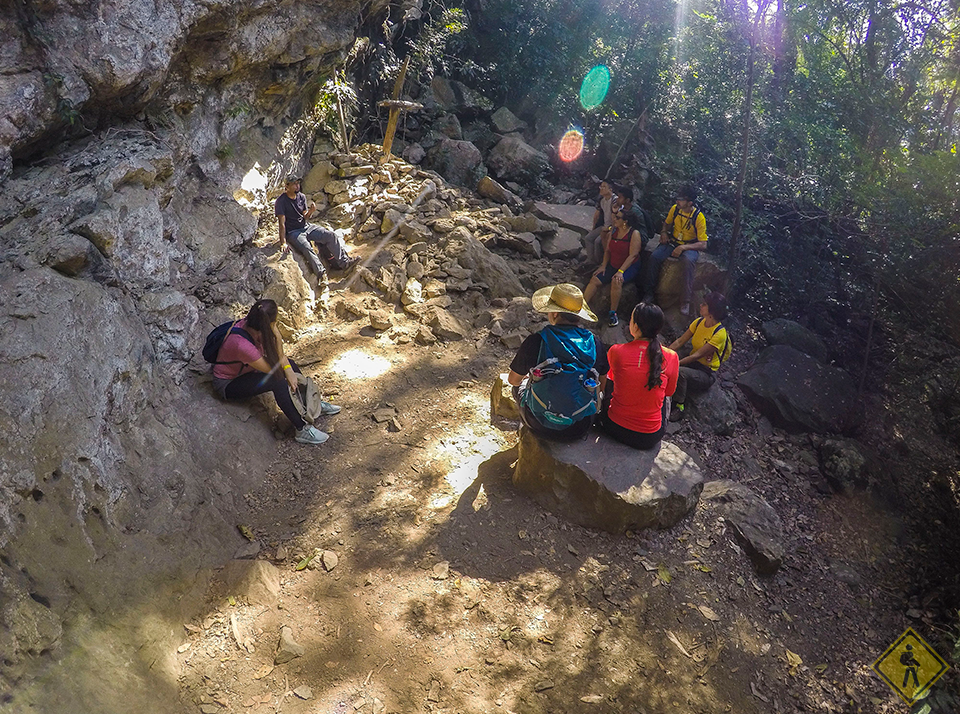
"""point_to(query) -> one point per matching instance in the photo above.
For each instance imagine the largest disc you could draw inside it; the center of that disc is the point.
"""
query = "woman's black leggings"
(253, 383)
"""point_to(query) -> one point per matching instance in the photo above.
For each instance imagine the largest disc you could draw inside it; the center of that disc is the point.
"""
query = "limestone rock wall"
(126, 130)
(206, 65)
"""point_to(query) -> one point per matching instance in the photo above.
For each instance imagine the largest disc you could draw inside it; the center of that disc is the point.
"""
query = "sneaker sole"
(312, 442)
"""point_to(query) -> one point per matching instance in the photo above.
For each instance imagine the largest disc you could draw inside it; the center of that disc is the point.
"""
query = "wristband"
(620, 272)
(286, 366)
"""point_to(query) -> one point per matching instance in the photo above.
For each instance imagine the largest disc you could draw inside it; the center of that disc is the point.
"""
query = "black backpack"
(216, 338)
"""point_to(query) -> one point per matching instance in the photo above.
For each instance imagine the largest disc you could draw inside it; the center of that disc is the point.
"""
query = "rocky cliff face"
(118, 251)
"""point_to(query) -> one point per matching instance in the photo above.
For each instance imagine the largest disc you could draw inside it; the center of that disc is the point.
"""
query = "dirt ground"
(452, 592)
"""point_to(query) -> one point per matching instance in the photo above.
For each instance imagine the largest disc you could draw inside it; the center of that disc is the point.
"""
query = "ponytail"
(649, 319)
(261, 318)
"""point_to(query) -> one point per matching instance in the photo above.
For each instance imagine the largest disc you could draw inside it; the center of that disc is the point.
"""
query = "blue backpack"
(216, 338)
(562, 389)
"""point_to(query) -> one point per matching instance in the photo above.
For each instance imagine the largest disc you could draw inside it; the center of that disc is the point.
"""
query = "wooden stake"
(394, 111)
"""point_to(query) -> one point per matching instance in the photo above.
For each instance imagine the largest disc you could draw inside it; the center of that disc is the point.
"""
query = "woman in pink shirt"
(251, 362)
(643, 375)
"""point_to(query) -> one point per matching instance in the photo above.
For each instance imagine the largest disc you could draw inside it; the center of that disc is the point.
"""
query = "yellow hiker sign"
(910, 666)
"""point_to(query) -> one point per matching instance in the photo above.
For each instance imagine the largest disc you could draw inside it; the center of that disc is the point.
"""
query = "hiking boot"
(685, 309)
(348, 264)
(676, 412)
(613, 320)
(328, 409)
(311, 435)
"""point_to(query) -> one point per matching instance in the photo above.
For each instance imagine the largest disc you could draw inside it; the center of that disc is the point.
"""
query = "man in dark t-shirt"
(292, 211)
(565, 309)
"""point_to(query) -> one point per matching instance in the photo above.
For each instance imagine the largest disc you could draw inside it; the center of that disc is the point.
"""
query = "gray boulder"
(755, 524)
(842, 463)
(567, 215)
(457, 161)
(488, 268)
(521, 242)
(488, 188)
(565, 243)
(716, 409)
(798, 393)
(449, 126)
(513, 159)
(414, 153)
(600, 483)
(787, 332)
(505, 121)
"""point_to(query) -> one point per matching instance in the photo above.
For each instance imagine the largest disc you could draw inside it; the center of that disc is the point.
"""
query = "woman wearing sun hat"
(556, 372)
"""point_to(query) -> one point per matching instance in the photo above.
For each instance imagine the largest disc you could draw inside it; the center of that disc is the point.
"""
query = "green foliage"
(435, 47)
(335, 108)
(237, 109)
(67, 112)
(224, 152)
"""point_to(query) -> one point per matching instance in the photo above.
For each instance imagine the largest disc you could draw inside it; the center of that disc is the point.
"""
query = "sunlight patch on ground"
(357, 364)
(466, 451)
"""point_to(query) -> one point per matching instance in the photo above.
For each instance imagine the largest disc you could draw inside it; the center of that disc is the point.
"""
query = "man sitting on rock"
(683, 236)
(594, 241)
(556, 372)
(292, 213)
(709, 348)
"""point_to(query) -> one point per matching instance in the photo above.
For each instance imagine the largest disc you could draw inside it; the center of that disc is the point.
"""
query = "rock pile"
(435, 272)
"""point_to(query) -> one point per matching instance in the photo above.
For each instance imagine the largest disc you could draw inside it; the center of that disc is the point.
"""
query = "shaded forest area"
(835, 125)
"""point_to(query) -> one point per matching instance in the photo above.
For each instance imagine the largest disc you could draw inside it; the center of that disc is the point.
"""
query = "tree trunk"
(744, 148)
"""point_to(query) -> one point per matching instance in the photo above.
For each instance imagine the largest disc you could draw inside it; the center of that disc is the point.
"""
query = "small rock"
(412, 292)
(425, 336)
(303, 692)
(394, 425)
(209, 708)
(441, 571)
(383, 414)
(543, 685)
(330, 560)
(247, 551)
(281, 553)
(434, 694)
(415, 270)
(288, 648)
(381, 320)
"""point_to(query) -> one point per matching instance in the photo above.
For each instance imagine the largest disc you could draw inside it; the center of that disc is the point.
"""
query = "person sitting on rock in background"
(292, 212)
(683, 236)
(594, 241)
(708, 343)
(621, 260)
(642, 374)
(623, 198)
(556, 372)
(245, 369)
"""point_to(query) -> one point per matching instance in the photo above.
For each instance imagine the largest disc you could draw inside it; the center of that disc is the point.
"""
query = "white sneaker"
(328, 409)
(311, 435)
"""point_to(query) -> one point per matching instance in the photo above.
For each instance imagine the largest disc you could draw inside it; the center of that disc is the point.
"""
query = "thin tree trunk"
(744, 150)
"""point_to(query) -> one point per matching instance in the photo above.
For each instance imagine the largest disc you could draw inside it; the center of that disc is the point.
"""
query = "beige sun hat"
(562, 298)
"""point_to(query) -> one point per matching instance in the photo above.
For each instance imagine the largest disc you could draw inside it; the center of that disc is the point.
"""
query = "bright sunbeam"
(679, 25)
(593, 89)
(357, 364)
(571, 145)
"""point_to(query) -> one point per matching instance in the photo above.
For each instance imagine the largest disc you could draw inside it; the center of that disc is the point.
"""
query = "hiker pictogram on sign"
(910, 666)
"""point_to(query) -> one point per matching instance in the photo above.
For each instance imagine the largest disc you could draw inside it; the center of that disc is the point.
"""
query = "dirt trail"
(454, 593)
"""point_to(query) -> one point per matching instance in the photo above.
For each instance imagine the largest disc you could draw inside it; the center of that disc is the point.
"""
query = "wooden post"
(394, 111)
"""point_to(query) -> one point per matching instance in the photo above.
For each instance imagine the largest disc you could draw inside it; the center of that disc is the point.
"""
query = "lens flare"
(571, 145)
(593, 89)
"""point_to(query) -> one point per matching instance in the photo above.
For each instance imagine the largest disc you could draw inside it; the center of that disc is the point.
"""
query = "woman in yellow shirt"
(708, 341)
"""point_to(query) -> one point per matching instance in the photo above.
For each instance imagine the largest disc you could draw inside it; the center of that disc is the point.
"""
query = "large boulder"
(488, 188)
(506, 122)
(513, 159)
(600, 483)
(798, 393)
(565, 243)
(716, 409)
(787, 332)
(567, 215)
(458, 162)
(756, 526)
(488, 268)
(708, 275)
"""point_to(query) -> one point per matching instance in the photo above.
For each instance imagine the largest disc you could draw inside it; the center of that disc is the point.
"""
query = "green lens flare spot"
(593, 89)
